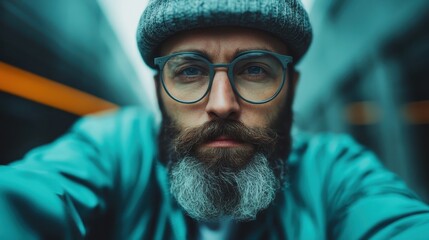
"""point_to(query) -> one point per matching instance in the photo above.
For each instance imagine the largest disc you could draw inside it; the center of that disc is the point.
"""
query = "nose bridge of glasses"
(222, 97)
(221, 65)
(224, 67)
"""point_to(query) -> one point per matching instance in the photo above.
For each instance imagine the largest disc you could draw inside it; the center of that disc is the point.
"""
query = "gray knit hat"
(285, 19)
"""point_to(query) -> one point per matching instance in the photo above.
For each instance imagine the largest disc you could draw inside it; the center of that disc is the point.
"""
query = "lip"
(224, 142)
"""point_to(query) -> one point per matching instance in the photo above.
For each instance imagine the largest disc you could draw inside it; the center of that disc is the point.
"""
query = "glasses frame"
(283, 59)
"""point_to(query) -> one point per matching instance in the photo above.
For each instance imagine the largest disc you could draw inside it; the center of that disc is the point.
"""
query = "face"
(222, 162)
(222, 45)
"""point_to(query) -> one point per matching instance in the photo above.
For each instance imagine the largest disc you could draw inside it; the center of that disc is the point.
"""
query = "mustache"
(263, 139)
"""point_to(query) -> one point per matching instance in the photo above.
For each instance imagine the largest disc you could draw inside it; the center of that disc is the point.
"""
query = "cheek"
(170, 106)
(191, 115)
(260, 116)
(184, 115)
(263, 115)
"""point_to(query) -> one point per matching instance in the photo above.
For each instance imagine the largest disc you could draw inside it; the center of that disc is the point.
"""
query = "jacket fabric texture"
(102, 180)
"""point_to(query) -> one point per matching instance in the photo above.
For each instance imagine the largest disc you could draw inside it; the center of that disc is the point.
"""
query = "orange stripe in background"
(36, 88)
(417, 112)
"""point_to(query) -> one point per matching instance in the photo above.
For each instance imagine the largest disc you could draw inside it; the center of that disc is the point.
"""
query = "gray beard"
(208, 195)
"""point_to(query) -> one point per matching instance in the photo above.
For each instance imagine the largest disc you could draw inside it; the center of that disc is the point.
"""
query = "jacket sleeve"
(366, 201)
(61, 190)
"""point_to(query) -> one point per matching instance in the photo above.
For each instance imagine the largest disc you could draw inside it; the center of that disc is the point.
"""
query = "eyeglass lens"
(255, 76)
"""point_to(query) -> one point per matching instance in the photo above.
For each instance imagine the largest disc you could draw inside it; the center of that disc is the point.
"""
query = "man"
(227, 166)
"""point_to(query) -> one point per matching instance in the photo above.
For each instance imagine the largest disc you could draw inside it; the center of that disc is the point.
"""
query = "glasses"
(256, 76)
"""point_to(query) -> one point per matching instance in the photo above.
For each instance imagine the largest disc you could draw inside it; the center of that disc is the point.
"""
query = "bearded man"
(225, 165)
(226, 125)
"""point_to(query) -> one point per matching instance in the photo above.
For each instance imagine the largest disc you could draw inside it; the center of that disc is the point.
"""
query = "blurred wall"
(367, 74)
(69, 42)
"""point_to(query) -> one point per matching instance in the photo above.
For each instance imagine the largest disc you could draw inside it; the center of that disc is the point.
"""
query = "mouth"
(223, 142)
(225, 151)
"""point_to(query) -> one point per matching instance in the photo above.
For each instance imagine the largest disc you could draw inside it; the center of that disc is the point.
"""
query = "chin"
(208, 195)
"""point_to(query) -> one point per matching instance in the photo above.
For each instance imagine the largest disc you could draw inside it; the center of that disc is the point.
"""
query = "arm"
(366, 201)
(63, 190)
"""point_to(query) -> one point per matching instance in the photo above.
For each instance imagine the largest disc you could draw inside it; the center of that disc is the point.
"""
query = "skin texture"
(221, 45)
(225, 157)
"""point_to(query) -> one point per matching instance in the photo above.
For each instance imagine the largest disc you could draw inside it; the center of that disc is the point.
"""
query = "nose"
(222, 101)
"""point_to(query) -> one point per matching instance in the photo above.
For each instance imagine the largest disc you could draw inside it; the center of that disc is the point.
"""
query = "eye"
(191, 72)
(254, 70)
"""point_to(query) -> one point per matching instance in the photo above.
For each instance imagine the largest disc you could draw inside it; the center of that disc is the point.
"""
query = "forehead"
(222, 43)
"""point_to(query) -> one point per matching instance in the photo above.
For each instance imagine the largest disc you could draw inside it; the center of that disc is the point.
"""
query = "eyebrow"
(199, 51)
(205, 54)
(238, 51)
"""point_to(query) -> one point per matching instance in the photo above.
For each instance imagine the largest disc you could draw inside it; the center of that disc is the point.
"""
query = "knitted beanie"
(285, 19)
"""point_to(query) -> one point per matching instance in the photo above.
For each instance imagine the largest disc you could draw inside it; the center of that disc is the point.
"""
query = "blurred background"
(366, 73)
(60, 60)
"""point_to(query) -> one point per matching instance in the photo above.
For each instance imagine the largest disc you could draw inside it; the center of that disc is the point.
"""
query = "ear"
(158, 92)
(156, 79)
(158, 85)
(295, 78)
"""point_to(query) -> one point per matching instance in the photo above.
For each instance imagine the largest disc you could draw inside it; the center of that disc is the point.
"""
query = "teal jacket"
(102, 180)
